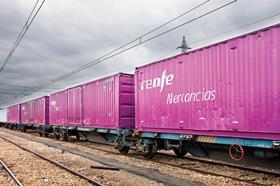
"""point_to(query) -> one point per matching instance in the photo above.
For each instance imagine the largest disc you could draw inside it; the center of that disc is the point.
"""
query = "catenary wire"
(101, 59)
(117, 49)
(23, 28)
(130, 42)
(171, 50)
(155, 29)
(22, 33)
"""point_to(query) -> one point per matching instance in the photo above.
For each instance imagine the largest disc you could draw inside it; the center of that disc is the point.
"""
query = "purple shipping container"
(230, 88)
(27, 112)
(109, 102)
(58, 108)
(41, 111)
(75, 106)
(13, 113)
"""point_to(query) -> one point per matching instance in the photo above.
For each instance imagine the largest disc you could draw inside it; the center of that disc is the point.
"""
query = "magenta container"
(13, 114)
(75, 106)
(41, 111)
(58, 108)
(27, 112)
(109, 102)
(230, 88)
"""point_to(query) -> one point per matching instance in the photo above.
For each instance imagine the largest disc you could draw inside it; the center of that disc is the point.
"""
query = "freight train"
(224, 97)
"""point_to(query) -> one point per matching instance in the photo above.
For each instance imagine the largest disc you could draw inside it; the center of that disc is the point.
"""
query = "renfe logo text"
(207, 95)
(175, 98)
(158, 81)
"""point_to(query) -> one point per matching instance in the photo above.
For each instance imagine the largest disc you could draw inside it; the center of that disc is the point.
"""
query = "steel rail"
(11, 173)
(53, 162)
(228, 164)
(205, 160)
(183, 166)
(180, 166)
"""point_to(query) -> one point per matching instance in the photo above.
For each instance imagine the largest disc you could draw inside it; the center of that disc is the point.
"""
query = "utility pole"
(184, 46)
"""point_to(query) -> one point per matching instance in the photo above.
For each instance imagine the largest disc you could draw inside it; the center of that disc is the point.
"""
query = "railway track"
(203, 160)
(196, 159)
(222, 163)
(188, 166)
(52, 162)
(153, 174)
(11, 174)
(191, 165)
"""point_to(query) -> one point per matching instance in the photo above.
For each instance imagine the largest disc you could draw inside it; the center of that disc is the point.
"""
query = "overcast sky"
(67, 34)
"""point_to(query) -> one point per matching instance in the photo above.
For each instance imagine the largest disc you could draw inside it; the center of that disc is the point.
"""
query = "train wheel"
(236, 152)
(152, 149)
(78, 136)
(65, 136)
(124, 150)
(46, 134)
(180, 152)
(23, 129)
(41, 134)
(57, 136)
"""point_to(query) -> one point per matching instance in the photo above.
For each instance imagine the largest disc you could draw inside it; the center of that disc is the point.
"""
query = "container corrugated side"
(75, 106)
(58, 108)
(13, 114)
(228, 89)
(41, 108)
(27, 112)
(108, 102)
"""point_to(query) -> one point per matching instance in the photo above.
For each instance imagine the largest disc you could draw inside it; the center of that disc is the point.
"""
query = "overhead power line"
(26, 26)
(13, 86)
(6, 93)
(238, 28)
(242, 26)
(140, 42)
(115, 53)
(34, 89)
(173, 49)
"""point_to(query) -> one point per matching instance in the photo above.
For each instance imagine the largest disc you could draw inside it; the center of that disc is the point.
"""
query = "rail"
(11, 173)
(53, 162)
